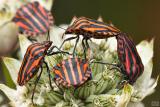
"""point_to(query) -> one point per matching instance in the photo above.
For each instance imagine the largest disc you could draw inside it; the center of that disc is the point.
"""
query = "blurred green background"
(139, 18)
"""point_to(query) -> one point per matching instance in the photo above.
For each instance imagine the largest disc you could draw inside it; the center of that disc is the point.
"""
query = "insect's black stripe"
(101, 23)
(79, 19)
(131, 62)
(122, 57)
(74, 64)
(120, 46)
(37, 49)
(25, 19)
(33, 71)
(110, 28)
(21, 30)
(80, 24)
(61, 71)
(37, 17)
(107, 26)
(26, 15)
(135, 72)
(135, 55)
(32, 60)
(81, 67)
(45, 17)
(102, 30)
(97, 26)
(134, 50)
(83, 26)
(140, 70)
(26, 72)
(69, 72)
(17, 19)
(34, 17)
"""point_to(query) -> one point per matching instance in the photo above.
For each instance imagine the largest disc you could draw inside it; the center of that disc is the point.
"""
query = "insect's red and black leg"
(75, 45)
(68, 39)
(49, 75)
(50, 52)
(36, 84)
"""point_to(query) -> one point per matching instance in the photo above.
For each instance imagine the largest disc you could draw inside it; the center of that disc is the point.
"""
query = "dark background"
(139, 18)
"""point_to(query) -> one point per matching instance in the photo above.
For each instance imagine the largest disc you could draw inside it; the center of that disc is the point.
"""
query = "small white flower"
(124, 98)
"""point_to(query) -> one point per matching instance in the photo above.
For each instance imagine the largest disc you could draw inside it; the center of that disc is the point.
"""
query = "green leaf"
(13, 66)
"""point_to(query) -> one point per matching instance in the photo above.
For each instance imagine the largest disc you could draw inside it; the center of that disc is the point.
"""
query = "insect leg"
(115, 66)
(84, 48)
(36, 84)
(75, 45)
(48, 36)
(50, 52)
(32, 39)
(68, 39)
(49, 75)
(86, 40)
(88, 47)
(57, 52)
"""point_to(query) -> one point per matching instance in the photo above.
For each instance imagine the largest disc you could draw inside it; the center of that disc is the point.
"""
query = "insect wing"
(129, 57)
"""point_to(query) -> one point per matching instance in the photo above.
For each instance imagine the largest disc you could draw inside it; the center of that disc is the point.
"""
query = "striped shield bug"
(72, 72)
(33, 19)
(132, 65)
(89, 28)
(33, 60)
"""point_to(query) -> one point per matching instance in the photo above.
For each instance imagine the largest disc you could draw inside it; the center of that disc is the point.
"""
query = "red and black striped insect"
(132, 65)
(33, 60)
(90, 28)
(33, 19)
(72, 72)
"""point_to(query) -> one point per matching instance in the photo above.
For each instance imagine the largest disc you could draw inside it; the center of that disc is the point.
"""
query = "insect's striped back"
(32, 61)
(33, 19)
(72, 71)
(129, 57)
(92, 28)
